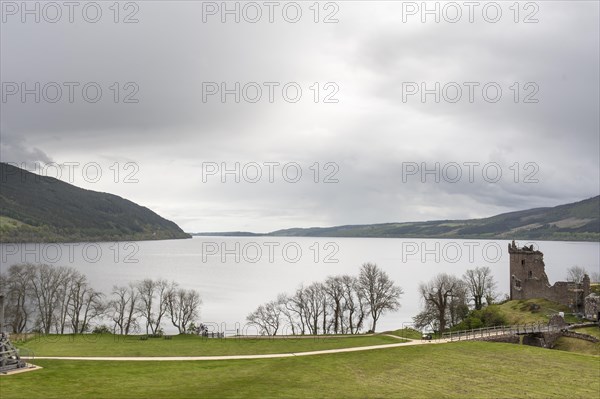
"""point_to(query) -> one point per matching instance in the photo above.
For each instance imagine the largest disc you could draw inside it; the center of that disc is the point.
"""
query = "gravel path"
(242, 357)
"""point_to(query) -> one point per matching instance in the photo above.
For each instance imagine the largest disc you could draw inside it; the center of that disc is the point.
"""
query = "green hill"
(579, 221)
(36, 208)
(531, 311)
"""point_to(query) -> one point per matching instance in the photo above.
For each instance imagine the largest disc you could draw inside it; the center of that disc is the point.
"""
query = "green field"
(578, 345)
(188, 345)
(456, 370)
(593, 331)
(406, 332)
(532, 311)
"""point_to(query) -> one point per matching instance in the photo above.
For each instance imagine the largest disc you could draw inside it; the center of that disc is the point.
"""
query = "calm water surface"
(236, 274)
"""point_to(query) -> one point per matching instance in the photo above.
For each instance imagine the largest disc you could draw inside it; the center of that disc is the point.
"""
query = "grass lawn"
(456, 370)
(532, 311)
(188, 345)
(578, 345)
(406, 332)
(593, 331)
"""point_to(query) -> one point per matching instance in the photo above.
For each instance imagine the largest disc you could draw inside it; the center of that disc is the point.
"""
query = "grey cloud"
(15, 149)
(369, 133)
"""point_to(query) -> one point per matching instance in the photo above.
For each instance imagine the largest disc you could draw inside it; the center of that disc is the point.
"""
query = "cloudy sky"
(350, 104)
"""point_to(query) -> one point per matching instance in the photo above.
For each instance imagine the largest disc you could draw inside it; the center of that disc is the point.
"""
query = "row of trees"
(339, 305)
(148, 302)
(447, 298)
(60, 299)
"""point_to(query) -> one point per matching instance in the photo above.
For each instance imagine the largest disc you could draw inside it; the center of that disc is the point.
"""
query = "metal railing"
(498, 331)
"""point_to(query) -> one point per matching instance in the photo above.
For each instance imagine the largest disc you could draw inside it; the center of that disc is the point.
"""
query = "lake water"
(236, 274)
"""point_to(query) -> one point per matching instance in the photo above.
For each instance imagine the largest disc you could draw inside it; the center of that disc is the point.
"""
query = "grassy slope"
(459, 370)
(187, 345)
(577, 345)
(519, 312)
(593, 331)
(406, 333)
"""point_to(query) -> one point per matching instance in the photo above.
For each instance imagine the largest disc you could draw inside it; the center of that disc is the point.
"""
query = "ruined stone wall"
(592, 307)
(528, 279)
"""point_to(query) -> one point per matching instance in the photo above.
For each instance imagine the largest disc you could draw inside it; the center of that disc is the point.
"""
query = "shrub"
(101, 329)
(486, 317)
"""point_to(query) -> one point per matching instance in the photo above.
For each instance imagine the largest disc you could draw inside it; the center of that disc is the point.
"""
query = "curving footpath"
(242, 357)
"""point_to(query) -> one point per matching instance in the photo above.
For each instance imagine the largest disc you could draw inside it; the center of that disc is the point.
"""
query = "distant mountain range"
(579, 221)
(36, 208)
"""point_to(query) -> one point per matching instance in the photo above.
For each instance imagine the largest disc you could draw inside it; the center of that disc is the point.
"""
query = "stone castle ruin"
(528, 280)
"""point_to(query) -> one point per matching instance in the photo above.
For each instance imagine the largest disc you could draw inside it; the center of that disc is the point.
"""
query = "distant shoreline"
(234, 234)
(578, 221)
(95, 241)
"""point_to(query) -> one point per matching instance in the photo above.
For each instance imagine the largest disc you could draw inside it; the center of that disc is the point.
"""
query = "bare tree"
(153, 302)
(15, 285)
(124, 308)
(183, 307)
(428, 318)
(146, 290)
(289, 311)
(354, 303)
(46, 288)
(379, 290)
(314, 306)
(481, 285)
(575, 274)
(117, 306)
(334, 288)
(259, 318)
(297, 304)
(163, 288)
(65, 298)
(86, 305)
(267, 317)
(437, 295)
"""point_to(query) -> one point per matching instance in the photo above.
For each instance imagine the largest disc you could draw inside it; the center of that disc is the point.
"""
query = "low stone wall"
(574, 334)
(580, 325)
(543, 340)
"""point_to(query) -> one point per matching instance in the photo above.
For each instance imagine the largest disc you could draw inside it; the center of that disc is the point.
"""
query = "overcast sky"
(370, 145)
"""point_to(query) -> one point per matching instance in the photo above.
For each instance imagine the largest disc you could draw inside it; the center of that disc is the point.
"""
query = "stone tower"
(586, 285)
(528, 277)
